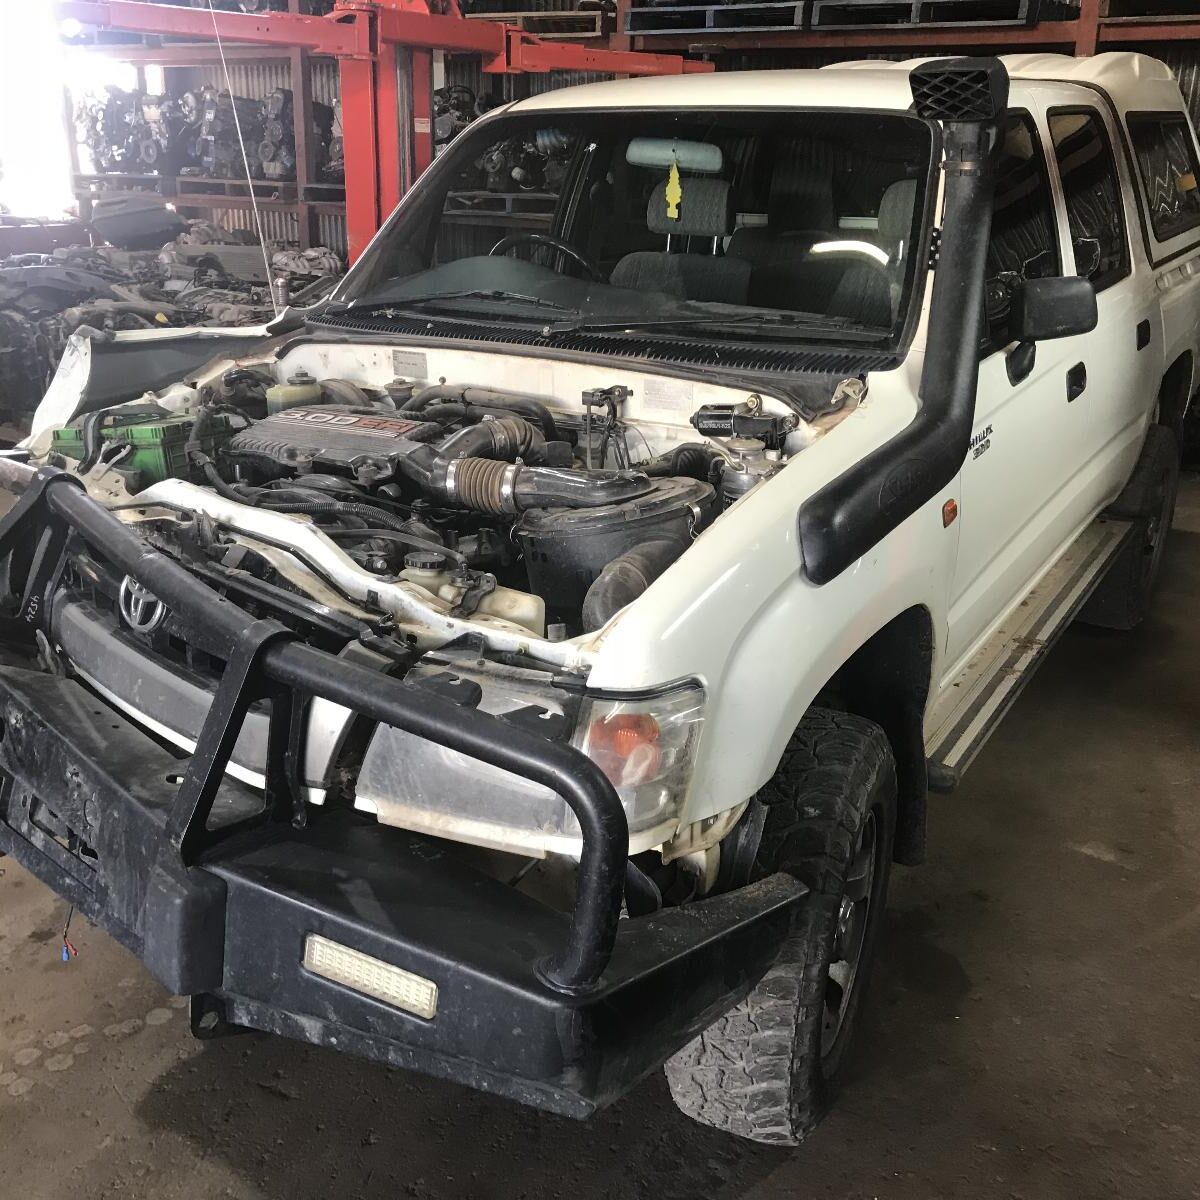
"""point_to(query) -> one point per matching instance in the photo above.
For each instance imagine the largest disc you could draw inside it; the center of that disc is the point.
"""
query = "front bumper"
(217, 887)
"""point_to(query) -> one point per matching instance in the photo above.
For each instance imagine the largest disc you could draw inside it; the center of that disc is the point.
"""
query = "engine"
(487, 500)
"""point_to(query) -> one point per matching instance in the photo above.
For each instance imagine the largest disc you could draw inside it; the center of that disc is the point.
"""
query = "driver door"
(1016, 507)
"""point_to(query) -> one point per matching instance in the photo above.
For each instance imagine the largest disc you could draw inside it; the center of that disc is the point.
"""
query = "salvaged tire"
(1123, 596)
(767, 1069)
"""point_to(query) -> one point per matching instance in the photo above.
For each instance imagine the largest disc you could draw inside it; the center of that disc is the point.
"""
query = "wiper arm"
(432, 299)
(776, 322)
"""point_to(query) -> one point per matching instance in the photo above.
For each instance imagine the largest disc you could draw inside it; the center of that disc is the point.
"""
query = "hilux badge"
(142, 611)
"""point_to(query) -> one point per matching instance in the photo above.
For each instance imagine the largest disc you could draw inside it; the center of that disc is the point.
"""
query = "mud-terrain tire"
(766, 1070)
(1123, 596)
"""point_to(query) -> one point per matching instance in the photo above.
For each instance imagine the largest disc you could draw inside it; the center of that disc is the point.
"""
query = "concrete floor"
(1033, 1031)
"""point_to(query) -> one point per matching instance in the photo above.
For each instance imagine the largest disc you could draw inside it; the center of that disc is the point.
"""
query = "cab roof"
(1133, 81)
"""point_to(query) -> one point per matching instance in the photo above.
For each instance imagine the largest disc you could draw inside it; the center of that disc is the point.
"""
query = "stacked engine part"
(44, 298)
(277, 149)
(332, 166)
(196, 134)
(135, 132)
(216, 152)
(530, 164)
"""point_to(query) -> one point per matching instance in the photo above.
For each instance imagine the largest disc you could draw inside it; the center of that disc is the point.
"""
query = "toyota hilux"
(525, 665)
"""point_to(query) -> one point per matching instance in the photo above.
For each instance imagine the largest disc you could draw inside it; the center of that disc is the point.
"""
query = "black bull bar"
(562, 1012)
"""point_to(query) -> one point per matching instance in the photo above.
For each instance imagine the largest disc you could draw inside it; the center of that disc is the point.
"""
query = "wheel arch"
(1175, 393)
(887, 681)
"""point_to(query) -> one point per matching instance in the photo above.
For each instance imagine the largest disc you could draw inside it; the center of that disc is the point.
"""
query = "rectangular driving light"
(370, 976)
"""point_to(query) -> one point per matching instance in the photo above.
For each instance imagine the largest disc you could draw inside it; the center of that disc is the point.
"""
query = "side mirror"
(1052, 308)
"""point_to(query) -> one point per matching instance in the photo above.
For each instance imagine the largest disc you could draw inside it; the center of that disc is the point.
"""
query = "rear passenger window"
(1166, 156)
(1093, 195)
(1023, 243)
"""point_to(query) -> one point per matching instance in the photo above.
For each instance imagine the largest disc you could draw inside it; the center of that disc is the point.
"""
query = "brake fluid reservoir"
(300, 388)
(748, 465)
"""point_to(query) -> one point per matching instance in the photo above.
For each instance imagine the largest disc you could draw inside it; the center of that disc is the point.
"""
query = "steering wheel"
(505, 244)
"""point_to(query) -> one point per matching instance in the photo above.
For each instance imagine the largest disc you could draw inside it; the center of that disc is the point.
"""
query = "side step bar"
(959, 724)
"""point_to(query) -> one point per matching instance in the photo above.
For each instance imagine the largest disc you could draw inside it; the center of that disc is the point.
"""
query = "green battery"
(158, 443)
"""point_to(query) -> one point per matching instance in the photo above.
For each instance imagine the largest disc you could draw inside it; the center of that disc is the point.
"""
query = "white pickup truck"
(525, 665)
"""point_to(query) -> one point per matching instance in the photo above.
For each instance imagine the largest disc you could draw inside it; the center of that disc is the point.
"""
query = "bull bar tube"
(630, 991)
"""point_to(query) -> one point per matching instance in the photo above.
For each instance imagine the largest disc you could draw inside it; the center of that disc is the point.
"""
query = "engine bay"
(489, 506)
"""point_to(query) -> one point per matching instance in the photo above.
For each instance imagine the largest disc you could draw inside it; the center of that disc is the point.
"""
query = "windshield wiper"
(433, 299)
(778, 324)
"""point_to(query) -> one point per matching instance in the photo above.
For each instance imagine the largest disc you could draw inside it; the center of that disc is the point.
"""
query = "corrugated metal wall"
(467, 70)
(331, 232)
(277, 226)
(253, 79)
(323, 77)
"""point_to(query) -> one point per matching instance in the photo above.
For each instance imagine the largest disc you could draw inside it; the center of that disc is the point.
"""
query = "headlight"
(645, 744)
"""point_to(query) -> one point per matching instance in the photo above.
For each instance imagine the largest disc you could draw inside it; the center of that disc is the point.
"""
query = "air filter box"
(566, 548)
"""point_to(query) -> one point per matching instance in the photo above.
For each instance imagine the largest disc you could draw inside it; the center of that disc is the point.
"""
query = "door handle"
(1143, 335)
(1076, 382)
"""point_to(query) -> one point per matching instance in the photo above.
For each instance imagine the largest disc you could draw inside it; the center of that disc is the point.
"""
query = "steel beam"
(390, 135)
(360, 141)
(528, 54)
(343, 34)
(422, 110)
(1127, 32)
(1087, 37)
(914, 37)
(508, 50)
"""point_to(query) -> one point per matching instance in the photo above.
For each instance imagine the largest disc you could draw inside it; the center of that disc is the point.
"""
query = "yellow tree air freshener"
(674, 192)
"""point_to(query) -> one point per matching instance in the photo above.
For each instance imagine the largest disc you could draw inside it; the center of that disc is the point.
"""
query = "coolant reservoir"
(509, 604)
(300, 388)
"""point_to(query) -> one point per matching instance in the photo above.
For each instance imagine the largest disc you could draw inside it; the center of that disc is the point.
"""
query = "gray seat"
(705, 211)
(865, 292)
(799, 210)
(792, 272)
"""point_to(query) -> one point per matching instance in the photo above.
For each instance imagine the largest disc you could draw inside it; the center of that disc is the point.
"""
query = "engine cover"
(326, 434)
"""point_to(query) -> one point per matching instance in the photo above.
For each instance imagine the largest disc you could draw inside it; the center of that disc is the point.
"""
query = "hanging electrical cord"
(237, 125)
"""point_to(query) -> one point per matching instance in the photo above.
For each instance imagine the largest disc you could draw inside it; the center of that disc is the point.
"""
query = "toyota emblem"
(143, 611)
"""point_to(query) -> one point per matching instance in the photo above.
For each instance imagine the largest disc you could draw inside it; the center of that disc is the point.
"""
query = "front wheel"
(767, 1069)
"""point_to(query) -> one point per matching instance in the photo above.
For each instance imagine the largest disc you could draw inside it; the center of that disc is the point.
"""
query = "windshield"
(750, 225)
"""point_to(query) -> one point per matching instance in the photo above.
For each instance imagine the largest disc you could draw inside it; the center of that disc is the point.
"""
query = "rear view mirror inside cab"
(1043, 309)
(697, 158)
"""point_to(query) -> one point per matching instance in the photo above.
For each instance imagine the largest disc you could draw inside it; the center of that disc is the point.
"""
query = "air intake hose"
(626, 578)
(508, 438)
(534, 410)
(864, 504)
(486, 485)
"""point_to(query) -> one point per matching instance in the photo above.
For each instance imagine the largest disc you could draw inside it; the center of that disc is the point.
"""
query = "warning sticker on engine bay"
(410, 364)
(668, 395)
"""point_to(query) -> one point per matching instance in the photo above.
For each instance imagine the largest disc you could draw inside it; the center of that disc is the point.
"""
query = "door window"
(1166, 156)
(1093, 196)
(1024, 242)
